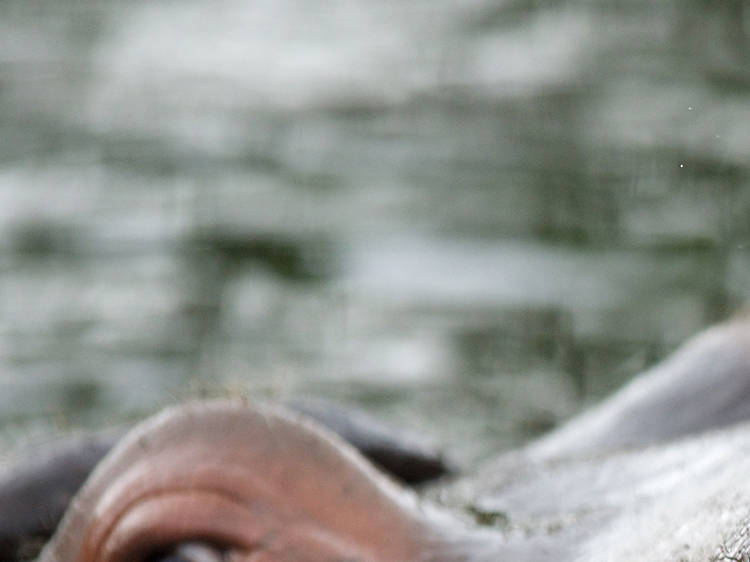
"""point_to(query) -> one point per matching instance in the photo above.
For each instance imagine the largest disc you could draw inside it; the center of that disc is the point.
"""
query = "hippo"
(35, 492)
(659, 471)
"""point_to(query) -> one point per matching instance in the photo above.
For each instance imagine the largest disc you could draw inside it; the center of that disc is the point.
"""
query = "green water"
(472, 219)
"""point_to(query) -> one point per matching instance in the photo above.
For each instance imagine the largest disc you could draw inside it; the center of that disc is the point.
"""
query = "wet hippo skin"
(660, 471)
(705, 384)
(36, 490)
(252, 483)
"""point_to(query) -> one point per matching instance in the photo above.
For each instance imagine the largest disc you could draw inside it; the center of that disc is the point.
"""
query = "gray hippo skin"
(659, 472)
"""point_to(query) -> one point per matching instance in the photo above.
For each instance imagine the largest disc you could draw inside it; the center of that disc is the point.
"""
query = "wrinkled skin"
(36, 491)
(639, 478)
(270, 488)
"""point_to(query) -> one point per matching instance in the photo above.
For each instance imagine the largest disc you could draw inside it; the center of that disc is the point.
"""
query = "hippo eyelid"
(150, 524)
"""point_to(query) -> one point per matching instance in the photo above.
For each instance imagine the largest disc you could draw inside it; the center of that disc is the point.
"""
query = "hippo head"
(220, 481)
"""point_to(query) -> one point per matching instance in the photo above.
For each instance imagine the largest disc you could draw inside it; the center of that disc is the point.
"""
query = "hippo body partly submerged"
(685, 501)
(659, 472)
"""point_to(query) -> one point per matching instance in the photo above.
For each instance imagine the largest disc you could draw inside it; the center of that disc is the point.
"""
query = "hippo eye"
(191, 552)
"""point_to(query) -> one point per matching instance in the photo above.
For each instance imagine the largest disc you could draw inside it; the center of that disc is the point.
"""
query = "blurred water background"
(470, 218)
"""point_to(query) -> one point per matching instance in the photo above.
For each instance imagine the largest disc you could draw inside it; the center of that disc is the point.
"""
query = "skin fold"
(36, 490)
(271, 487)
(657, 472)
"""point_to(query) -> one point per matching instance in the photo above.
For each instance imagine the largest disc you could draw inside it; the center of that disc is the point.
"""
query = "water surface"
(471, 219)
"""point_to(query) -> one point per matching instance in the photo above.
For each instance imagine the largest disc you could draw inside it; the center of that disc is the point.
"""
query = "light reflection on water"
(470, 218)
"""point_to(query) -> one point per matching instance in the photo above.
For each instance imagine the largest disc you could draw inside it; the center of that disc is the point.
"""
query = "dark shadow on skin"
(405, 457)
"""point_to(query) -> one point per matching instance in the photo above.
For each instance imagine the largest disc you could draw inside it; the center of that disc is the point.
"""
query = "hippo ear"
(254, 482)
(36, 491)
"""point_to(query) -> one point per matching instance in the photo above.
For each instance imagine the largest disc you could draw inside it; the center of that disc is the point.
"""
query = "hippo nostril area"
(191, 552)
